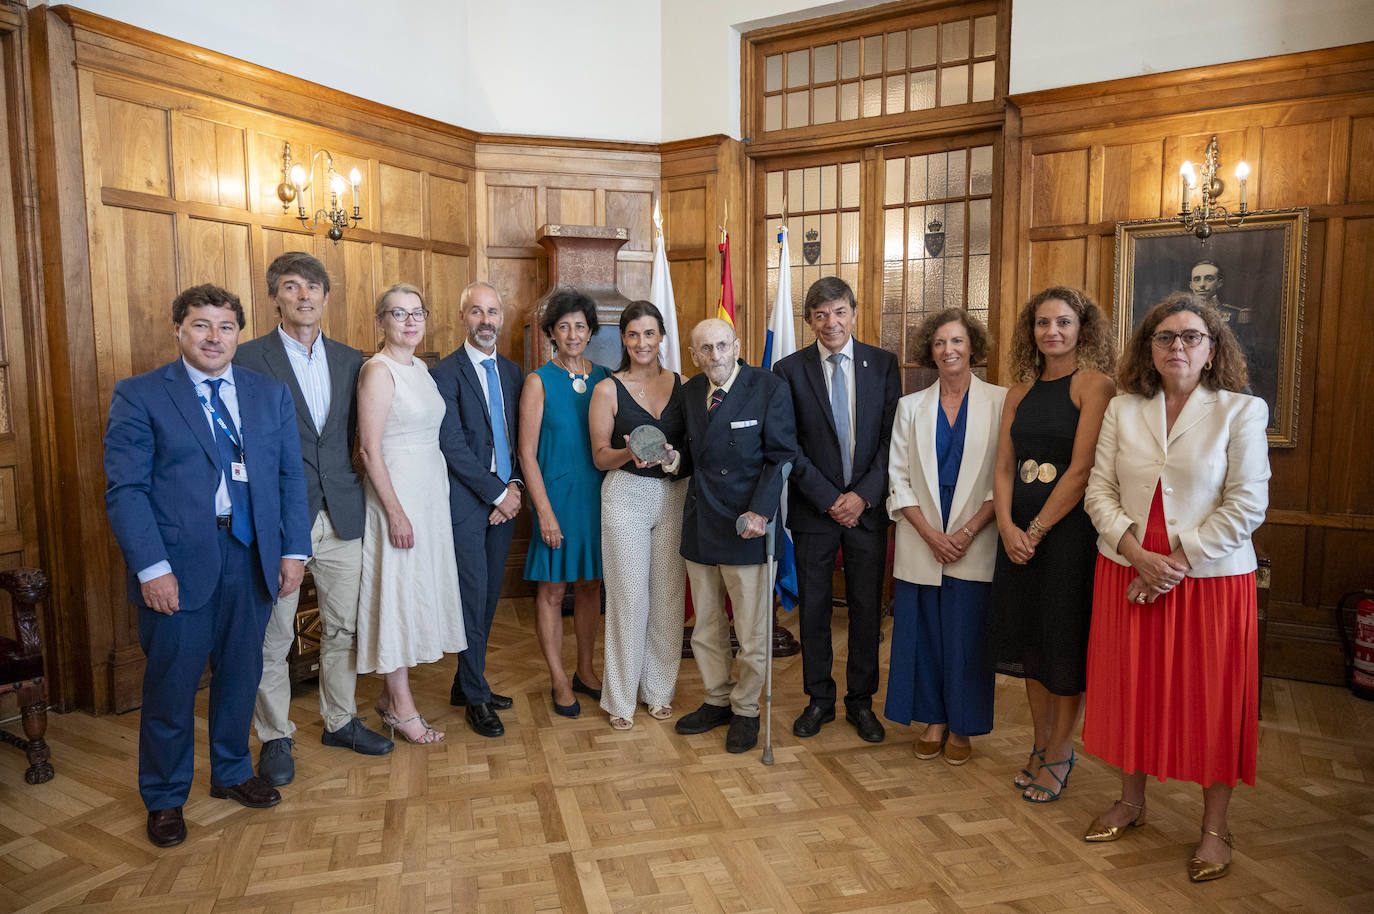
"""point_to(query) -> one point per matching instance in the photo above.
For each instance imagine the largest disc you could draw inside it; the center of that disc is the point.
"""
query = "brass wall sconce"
(296, 180)
(1198, 219)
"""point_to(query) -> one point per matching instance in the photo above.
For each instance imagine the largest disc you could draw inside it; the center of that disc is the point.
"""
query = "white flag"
(781, 341)
(661, 294)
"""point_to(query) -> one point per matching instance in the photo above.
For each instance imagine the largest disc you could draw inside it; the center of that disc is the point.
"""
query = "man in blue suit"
(481, 389)
(206, 496)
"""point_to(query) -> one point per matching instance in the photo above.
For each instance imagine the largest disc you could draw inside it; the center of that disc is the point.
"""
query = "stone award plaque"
(648, 444)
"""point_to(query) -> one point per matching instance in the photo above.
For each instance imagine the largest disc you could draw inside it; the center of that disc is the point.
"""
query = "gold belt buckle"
(1031, 471)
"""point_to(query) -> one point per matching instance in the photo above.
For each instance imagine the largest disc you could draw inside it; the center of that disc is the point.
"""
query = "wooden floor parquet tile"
(569, 815)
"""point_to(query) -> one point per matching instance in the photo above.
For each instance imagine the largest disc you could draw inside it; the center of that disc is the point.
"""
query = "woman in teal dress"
(565, 488)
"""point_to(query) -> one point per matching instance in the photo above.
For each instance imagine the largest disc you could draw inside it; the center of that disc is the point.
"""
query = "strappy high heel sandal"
(1052, 795)
(1097, 832)
(1025, 772)
(428, 737)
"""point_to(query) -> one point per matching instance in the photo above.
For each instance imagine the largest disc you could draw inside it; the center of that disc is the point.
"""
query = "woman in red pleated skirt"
(1179, 486)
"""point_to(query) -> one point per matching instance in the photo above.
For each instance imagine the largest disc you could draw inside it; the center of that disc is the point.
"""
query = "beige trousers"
(750, 598)
(335, 565)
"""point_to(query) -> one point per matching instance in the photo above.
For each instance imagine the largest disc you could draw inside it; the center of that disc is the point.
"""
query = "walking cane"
(770, 547)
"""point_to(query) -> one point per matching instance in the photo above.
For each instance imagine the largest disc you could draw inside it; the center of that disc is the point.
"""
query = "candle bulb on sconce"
(297, 179)
(1199, 218)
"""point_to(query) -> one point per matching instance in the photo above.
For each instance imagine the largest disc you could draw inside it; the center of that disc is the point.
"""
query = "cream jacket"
(1213, 467)
(913, 480)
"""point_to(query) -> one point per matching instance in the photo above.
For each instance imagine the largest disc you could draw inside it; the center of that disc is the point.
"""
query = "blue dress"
(572, 481)
(937, 674)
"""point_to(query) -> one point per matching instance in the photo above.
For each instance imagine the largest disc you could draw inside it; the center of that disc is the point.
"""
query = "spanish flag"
(726, 311)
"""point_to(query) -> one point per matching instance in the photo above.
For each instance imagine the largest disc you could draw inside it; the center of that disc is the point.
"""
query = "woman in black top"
(641, 523)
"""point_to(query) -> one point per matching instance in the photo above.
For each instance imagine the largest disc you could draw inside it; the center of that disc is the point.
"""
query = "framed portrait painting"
(1254, 273)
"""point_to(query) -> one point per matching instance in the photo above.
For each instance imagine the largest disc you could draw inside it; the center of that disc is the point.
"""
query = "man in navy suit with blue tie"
(206, 496)
(845, 395)
(481, 389)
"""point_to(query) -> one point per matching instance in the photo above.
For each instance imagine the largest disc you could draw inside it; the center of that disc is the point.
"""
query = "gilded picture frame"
(1256, 273)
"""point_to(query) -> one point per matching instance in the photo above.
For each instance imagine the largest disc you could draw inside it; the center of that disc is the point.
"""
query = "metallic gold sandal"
(1098, 832)
(1200, 870)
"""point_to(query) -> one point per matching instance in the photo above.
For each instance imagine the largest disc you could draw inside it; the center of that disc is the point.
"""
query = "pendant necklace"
(579, 383)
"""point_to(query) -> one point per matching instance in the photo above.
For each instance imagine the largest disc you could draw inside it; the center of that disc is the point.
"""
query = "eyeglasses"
(399, 315)
(707, 348)
(1192, 339)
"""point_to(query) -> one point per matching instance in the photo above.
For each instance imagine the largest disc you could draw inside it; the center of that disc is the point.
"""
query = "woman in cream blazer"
(1179, 486)
(944, 448)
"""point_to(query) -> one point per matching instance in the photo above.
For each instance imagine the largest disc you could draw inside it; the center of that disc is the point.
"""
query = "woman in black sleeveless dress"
(1041, 598)
(641, 523)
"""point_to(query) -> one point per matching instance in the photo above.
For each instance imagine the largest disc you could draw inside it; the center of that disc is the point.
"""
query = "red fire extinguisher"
(1359, 649)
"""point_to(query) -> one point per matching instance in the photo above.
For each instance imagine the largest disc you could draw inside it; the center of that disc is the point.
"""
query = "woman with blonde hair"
(409, 610)
(1180, 484)
(1041, 597)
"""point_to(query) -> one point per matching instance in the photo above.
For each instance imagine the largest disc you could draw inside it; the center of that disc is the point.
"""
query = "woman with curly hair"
(1041, 597)
(1179, 485)
(944, 448)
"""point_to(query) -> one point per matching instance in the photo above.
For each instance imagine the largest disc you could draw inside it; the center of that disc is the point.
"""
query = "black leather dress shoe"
(484, 721)
(706, 717)
(809, 723)
(166, 827)
(866, 722)
(743, 734)
(499, 702)
(275, 766)
(353, 735)
(254, 793)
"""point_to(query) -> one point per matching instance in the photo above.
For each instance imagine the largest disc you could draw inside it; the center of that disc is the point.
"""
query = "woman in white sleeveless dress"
(409, 610)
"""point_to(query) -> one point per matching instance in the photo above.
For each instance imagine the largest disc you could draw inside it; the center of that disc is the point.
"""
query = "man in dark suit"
(322, 375)
(482, 391)
(206, 497)
(740, 432)
(845, 394)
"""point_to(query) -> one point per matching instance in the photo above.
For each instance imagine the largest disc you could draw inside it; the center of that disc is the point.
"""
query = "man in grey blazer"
(322, 375)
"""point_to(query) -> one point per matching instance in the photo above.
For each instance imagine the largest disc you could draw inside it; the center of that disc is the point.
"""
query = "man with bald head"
(740, 432)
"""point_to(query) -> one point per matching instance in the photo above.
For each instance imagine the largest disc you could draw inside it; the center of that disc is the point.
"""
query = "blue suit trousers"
(227, 631)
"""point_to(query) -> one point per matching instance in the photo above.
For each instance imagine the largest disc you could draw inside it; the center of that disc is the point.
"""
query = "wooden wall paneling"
(448, 209)
(1060, 182)
(445, 330)
(210, 161)
(67, 341)
(1294, 165)
(1305, 139)
(400, 201)
(633, 209)
(511, 216)
(20, 504)
(1360, 188)
(355, 295)
(1349, 484)
(137, 139)
(571, 206)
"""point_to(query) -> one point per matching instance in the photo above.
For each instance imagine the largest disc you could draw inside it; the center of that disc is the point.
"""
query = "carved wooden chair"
(21, 669)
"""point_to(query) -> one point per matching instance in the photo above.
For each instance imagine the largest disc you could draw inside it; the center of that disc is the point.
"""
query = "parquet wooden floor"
(568, 815)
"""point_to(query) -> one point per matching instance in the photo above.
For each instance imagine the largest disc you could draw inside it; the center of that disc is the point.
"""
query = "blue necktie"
(500, 442)
(839, 408)
(242, 524)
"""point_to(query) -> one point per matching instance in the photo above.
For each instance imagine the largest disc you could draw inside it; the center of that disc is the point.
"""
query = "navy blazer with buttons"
(818, 477)
(737, 456)
(466, 437)
(162, 470)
